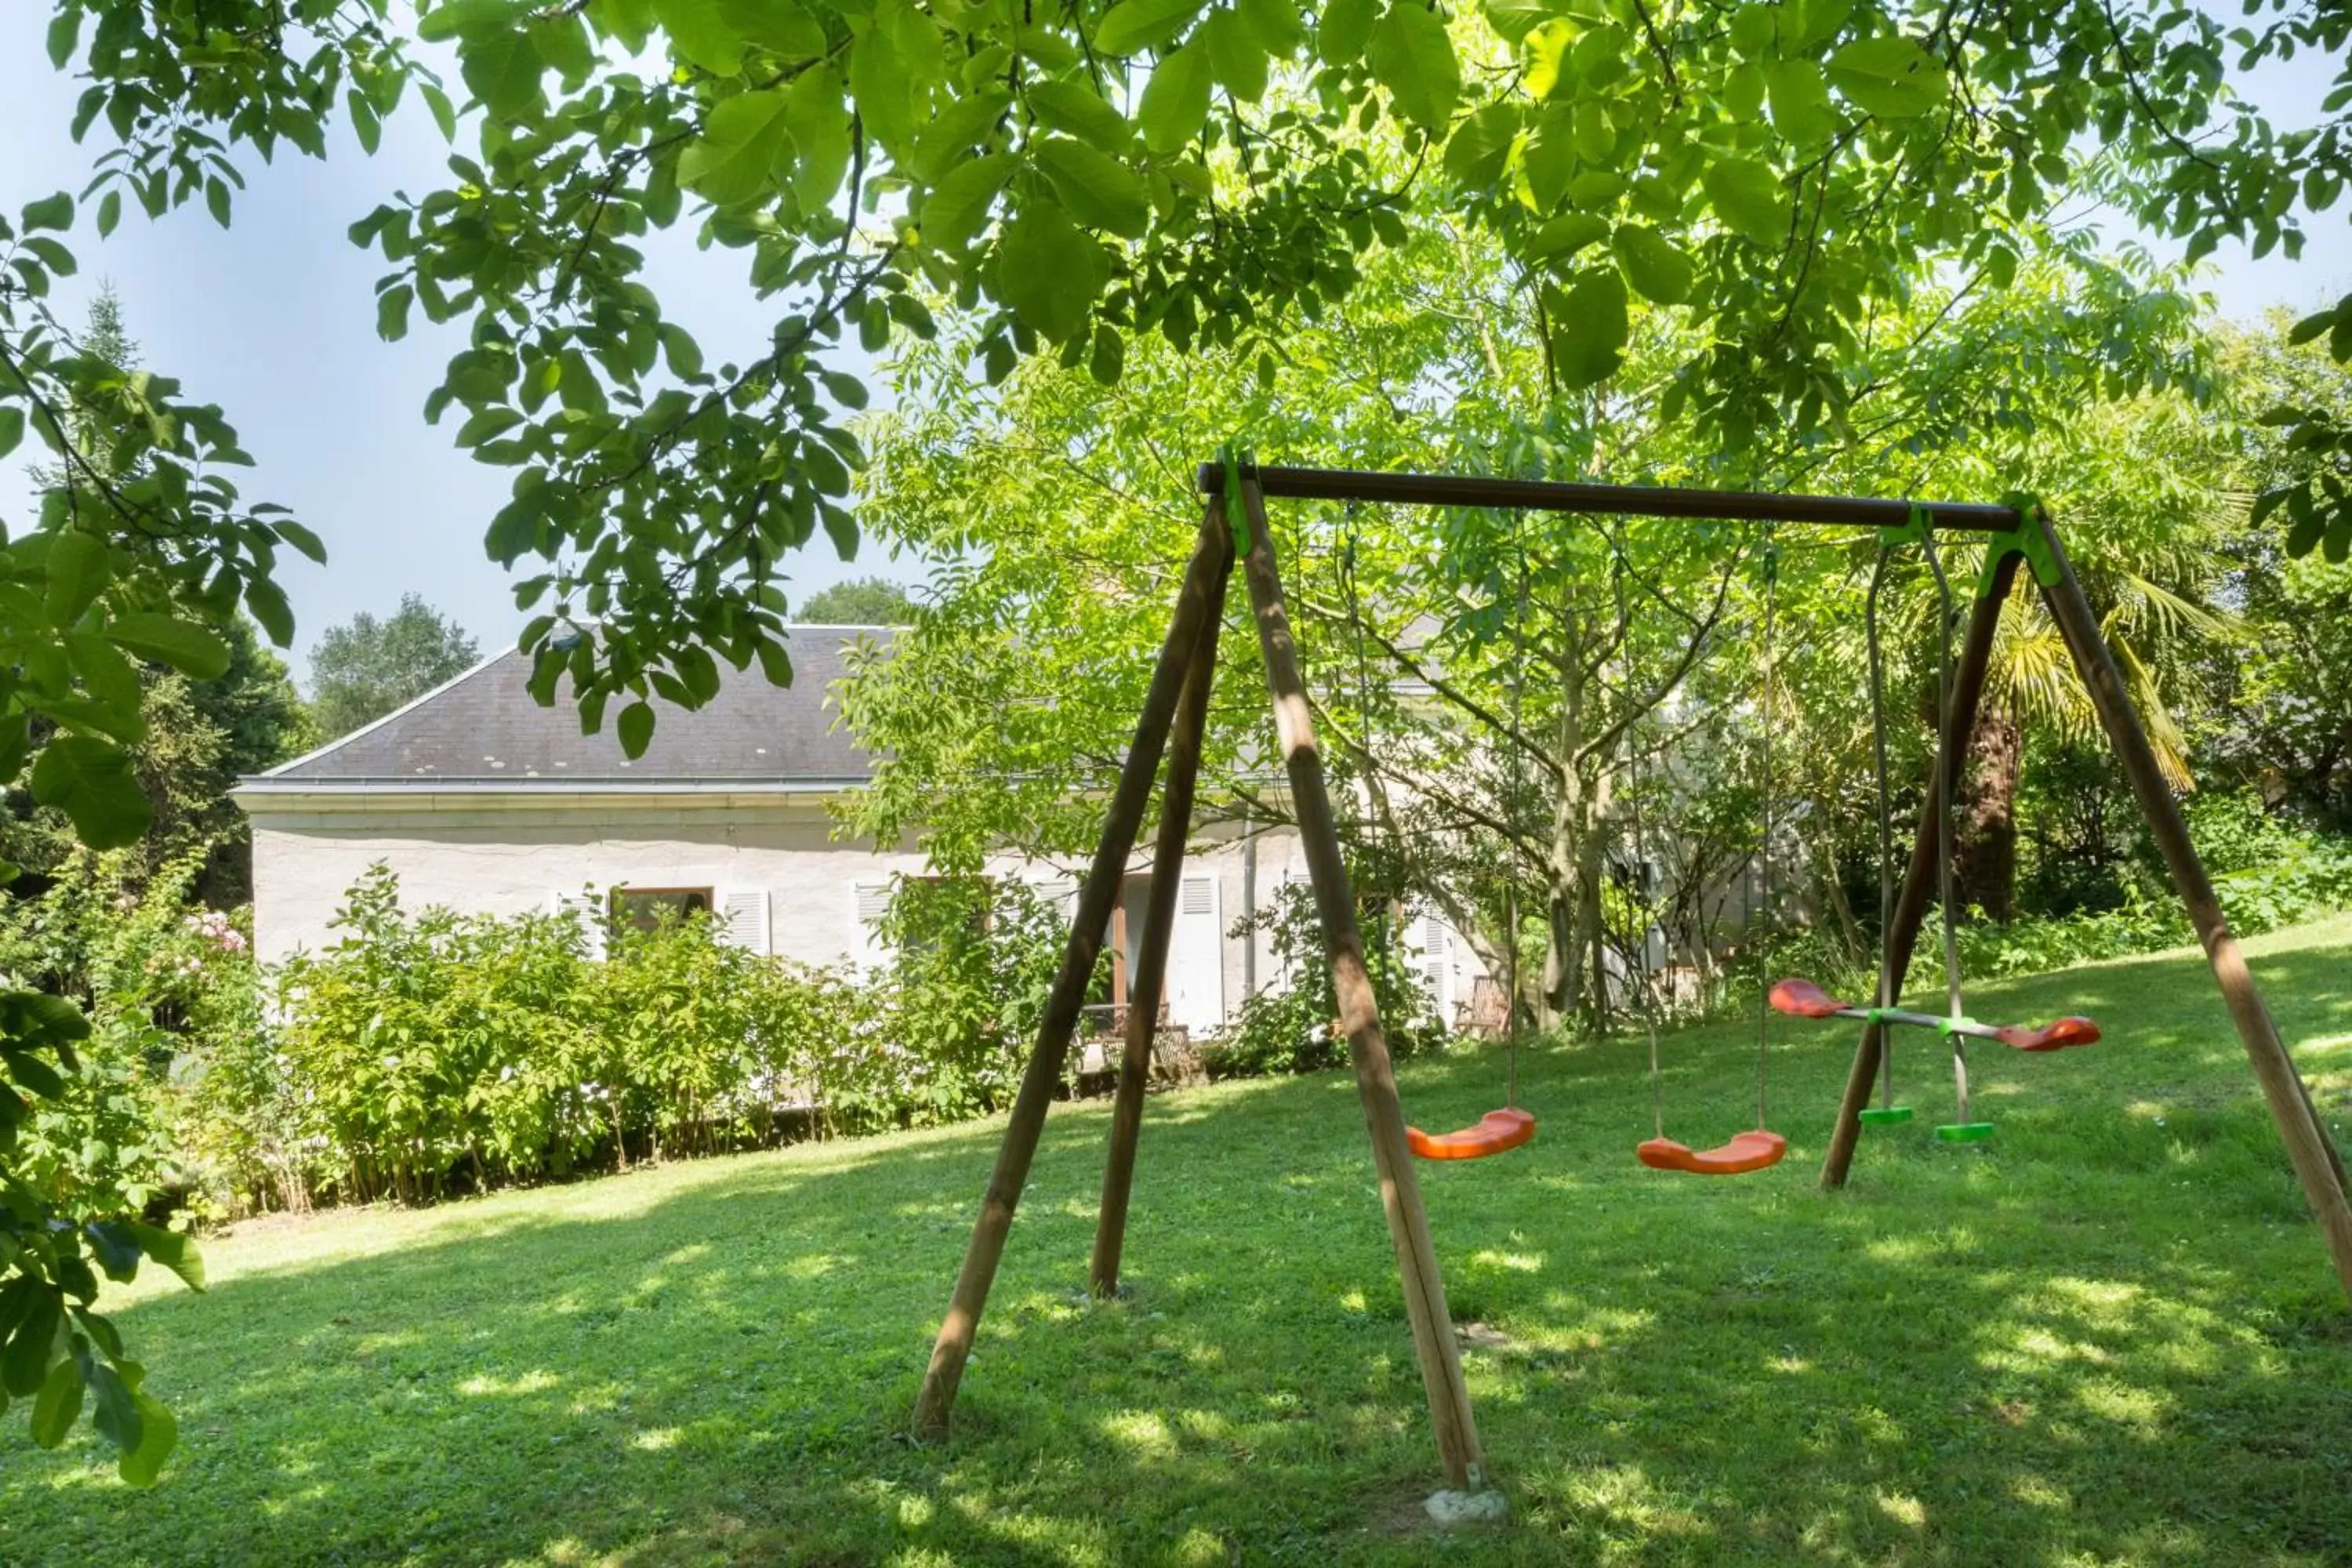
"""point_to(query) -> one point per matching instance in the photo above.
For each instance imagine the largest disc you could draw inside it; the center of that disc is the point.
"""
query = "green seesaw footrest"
(1883, 1116)
(1965, 1131)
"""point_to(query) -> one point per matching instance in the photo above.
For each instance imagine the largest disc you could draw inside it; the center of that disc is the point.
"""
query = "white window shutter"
(590, 907)
(743, 918)
(1196, 957)
(872, 903)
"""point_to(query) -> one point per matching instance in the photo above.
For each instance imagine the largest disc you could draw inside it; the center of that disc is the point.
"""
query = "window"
(642, 909)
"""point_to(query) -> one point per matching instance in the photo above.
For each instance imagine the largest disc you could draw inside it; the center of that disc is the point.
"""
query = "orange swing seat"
(1751, 1150)
(1495, 1132)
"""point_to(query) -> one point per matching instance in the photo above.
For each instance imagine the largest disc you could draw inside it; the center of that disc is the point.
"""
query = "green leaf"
(34, 1074)
(879, 83)
(159, 1433)
(503, 68)
(59, 1404)
(64, 37)
(12, 427)
(1564, 235)
(1098, 190)
(957, 208)
(116, 1249)
(1345, 29)
(637, 728)
(1743, 91)
(1134, 25)
(783, 29)
(703, 33)
(111, 679)
(1274, 23)
(267, 601)
(1235, 55)
(746, 142)
(392, 312)
(79, 567)
(95, 785)
(1751, 30)
(1413, 57)
(1890, 76)
(2311, 326)
(192, 649)
(1593, 329)
(1747, 197)
(109, 213)
(302, 538)
(1080, 110)
(118, 1417)
(50, 212)
(1515, 19)
(1481, 146)
(820, 134)
(1657, 269)
(1801, 110)
(1176, 100)
(471, 18)
(1108, 362)
(1049, 270)
(25, 1365)
(216, 197)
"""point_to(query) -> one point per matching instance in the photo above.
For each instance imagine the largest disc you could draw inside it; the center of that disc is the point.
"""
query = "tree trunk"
(1984, 864)
(1564, 943)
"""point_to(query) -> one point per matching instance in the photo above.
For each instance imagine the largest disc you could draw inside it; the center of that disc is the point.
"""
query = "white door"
(1196, 957)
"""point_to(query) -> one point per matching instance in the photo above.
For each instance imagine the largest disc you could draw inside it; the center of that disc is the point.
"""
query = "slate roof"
(484, 728)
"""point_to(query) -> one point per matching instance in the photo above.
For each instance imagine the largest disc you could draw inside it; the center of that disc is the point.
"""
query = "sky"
(273, 319)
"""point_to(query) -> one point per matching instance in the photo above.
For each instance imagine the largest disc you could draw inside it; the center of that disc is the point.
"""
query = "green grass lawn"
(2111, 1335)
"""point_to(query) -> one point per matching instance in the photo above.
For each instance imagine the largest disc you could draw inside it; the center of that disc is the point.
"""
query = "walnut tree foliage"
(1073, 178)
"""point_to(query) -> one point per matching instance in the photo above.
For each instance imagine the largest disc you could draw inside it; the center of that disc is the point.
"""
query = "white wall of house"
(782, 884)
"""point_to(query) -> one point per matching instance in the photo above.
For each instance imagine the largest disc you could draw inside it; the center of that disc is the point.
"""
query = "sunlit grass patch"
(2108, 1336)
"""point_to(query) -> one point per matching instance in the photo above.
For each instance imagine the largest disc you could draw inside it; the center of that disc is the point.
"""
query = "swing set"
(1172, 722)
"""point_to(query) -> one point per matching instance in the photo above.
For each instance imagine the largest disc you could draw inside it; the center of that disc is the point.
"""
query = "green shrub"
(1292, 1029)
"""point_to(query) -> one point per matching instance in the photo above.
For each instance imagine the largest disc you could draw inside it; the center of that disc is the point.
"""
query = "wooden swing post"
(1359, 1017)
(1097, 898)
(2317, 1165)
(1151, 962)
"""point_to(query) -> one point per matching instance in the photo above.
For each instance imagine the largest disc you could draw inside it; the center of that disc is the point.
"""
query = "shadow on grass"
(2110, 1335)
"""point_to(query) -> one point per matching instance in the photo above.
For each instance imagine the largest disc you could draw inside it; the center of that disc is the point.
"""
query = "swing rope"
(1510, 1127)
(1641, 910)
(1955, 1013)
(1759, 1147)
(1888, 987)
(1518, 785)
(1764, 846)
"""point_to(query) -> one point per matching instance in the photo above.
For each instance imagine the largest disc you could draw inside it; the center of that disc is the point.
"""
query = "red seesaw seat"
(1751, 1150)
(2057, 1037)
(1495, 1132)
(1803, 999)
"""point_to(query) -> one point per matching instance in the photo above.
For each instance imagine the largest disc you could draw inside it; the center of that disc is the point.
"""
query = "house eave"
(266, 794)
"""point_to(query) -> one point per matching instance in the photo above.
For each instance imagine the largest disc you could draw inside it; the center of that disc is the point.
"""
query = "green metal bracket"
(2026, 540)
(1912, 532)
(1233, 456)
(1952, 1026)
(1964, 1131)
(1884, 1115)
